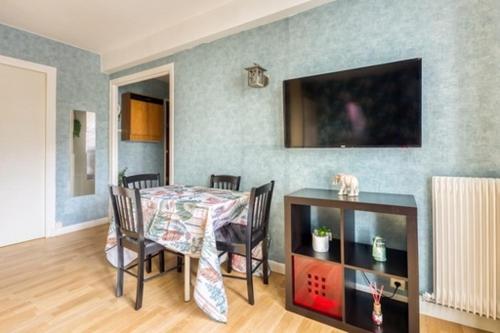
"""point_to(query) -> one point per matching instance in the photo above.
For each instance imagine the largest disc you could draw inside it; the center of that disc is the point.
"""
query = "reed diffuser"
(377, 307)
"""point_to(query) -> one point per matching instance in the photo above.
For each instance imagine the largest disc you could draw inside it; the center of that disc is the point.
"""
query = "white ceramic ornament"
(349, 184)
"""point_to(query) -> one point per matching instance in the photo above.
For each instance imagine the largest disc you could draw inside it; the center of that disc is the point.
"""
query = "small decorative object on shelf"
(321, 239)
(77, 127)
(378, 249)
(377, 316)
(120, 176)
(349, 184)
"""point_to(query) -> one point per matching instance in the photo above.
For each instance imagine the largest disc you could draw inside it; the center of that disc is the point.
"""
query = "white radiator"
(466, 221)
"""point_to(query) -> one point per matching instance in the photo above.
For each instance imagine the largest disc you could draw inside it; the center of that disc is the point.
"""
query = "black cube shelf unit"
(346, 257)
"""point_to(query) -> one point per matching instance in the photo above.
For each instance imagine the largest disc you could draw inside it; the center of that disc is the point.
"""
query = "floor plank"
(64, 284)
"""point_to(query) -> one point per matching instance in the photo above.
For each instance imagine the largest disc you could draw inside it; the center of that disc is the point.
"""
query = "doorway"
(27, 147)
(144, 152)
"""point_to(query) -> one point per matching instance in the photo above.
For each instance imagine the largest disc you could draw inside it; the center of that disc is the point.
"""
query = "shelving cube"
(323, 286)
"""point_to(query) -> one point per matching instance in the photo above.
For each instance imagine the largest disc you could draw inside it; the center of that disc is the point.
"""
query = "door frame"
(50, 135)
(114, 84)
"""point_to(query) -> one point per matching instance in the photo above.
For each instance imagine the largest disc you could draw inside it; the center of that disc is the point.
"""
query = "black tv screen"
(376, 106)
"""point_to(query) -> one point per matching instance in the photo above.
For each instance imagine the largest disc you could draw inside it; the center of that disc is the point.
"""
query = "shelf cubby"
(359, 303)
(306, 218)
(318, 285)
(359, 256)
(359, 306)
(332, 255)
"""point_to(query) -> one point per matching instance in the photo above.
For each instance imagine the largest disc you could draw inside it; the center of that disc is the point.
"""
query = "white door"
(23, 96)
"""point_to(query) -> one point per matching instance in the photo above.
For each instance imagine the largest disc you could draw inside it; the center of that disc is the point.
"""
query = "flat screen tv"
(376, 106)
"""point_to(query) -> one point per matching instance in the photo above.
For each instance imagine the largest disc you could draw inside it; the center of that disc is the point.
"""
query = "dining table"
(184, 219)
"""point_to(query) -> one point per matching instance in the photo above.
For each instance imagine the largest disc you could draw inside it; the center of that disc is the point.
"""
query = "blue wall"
(222, 126)
(142, 157)
(80, 86)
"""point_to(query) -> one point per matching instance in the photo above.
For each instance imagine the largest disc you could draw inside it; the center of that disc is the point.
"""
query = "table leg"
(187, 278)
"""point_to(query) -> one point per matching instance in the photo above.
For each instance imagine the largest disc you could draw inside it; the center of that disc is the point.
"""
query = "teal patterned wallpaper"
(80, 86)
(223, 126)
(142, 157)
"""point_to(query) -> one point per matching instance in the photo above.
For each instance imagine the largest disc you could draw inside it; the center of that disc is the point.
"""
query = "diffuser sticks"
(377, 308)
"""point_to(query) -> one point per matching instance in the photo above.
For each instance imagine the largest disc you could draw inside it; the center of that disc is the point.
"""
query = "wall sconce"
(256, 77)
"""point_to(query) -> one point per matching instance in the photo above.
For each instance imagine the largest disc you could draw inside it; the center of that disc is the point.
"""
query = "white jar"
(321, 243)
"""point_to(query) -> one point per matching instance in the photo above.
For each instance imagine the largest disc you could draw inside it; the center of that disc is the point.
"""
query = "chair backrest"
(127, 211)
(146, 180)
(258, 212)
(225, 182)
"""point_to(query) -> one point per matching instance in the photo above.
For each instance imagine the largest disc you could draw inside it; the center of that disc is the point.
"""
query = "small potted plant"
(120, 176)
(321, 239)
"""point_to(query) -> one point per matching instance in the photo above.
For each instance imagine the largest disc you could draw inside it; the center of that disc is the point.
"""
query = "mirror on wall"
(83, 133)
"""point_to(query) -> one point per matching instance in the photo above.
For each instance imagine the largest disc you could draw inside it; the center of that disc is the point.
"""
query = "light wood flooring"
(64, 284)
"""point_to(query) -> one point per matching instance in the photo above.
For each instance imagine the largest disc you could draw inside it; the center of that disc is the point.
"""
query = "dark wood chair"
(242, 239)
(142, 181)
(225, 182)
(127, 212)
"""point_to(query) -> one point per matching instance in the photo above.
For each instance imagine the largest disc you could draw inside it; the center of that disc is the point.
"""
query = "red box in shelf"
(318, 285)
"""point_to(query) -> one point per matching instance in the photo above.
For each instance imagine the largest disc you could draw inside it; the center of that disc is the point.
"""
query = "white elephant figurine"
(349, 184)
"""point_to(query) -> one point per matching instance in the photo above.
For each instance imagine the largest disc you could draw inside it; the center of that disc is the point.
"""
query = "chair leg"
(187, 278)
(140, 279)
(229, 262)
(119, 272)
(148, 264)
(179, 264)
(265, 262)
(249, 276)
(161, 261)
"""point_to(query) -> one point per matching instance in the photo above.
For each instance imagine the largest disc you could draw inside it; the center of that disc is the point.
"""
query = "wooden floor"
(64, 284)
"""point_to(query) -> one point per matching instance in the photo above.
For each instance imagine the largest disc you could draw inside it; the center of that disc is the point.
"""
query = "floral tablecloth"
(184, 218)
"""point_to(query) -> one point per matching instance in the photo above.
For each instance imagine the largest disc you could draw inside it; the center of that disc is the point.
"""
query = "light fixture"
(256, 76)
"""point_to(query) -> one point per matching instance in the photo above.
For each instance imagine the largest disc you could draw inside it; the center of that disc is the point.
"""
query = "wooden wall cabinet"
(142, 118)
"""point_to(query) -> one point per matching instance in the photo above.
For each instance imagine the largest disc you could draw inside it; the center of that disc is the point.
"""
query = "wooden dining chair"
(142, 181)
(129, 224)
(242, 239)
(225, 182)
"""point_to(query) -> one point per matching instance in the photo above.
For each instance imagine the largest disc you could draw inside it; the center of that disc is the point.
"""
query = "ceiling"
(122, 31)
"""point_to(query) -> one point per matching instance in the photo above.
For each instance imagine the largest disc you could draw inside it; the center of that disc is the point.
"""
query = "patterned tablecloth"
(184, 218)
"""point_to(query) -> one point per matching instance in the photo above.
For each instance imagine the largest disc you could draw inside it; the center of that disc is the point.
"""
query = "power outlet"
(402, 284)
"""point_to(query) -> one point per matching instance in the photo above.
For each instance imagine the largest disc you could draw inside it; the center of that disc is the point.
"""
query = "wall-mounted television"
(376, 106)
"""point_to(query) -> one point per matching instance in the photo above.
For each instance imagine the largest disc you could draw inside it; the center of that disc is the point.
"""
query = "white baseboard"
(61, 230)
(457, 316)
(277, 267)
